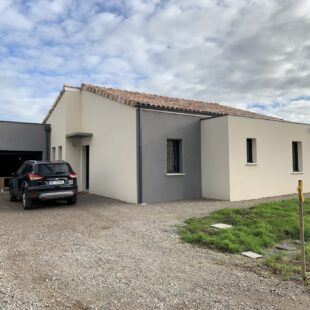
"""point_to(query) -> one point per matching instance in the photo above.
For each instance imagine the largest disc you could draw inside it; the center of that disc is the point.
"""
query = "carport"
(10, 161)
(20, 142)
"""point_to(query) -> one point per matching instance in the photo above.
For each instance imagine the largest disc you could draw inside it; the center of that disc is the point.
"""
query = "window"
(297, 156)
(26, 168)
(251, 151)
(53, 153)
(174, 156)
(53, 169)
(59, 152)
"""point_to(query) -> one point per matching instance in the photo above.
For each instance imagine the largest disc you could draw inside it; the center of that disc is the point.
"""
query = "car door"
(16, 178)
(21, 178)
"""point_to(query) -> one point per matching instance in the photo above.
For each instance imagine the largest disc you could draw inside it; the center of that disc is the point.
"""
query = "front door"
(85, 172)
(87, 167)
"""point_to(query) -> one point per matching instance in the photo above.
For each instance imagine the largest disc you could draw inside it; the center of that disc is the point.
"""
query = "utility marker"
(252, 255)
(221, 226)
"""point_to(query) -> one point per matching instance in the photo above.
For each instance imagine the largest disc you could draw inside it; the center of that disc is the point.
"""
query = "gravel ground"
(105, 254)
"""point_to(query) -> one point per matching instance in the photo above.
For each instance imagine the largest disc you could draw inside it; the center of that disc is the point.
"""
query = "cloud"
(246, 54)
(295, 109)
(12, 17)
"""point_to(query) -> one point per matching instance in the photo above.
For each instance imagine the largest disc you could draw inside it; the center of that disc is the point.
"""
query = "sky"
(247, 54)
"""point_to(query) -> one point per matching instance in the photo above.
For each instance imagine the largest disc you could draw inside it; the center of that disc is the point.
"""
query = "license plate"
(58, 182)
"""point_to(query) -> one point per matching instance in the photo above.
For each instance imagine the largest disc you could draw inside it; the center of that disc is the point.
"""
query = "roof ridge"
(142, 99)
(212, 105)
(151, 94)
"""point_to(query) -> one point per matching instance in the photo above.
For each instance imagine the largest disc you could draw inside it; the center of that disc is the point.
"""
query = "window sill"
(175, 174)
(251, 164)
(297, 172)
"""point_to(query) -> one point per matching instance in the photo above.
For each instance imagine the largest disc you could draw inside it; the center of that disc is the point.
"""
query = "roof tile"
(132, 98)
(136, 99)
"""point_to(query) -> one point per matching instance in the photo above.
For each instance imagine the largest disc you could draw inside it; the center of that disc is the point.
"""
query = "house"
(144, 148)
(19, 142)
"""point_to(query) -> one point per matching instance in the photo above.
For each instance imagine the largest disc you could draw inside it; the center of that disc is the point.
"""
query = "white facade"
(112, 146)
(81, 121)
(225, 171)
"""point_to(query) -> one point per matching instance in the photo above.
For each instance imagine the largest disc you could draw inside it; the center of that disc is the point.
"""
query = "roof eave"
(170, 109)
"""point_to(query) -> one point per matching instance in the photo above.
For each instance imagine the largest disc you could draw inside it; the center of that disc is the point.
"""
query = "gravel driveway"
(105, 254)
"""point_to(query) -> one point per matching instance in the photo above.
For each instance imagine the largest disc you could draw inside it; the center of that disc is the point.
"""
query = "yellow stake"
(301, 200)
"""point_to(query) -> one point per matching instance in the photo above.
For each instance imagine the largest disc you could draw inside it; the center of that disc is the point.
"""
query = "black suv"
(44, 180)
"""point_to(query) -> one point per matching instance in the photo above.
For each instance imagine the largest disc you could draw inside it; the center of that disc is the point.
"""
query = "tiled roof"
(136, 99)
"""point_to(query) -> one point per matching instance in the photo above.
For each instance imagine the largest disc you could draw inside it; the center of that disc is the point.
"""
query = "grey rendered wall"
(215, 158)
(23, 137)
(156, 128)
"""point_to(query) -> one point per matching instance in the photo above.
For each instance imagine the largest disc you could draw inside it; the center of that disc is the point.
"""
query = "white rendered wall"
(113, 161)
(225, 172)
(273, 175)
(73, 124)
(58, 125)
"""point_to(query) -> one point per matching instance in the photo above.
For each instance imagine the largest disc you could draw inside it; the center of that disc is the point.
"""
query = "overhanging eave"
(79, 135)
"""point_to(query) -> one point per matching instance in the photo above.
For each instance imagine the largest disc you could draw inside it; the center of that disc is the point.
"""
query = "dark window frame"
(296, 156)
(60, 155)
(251, 151)
(53, 153)
(174, 156)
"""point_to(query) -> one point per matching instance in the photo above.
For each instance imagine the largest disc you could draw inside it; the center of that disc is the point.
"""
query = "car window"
(21, 169)
(27, 169)
(53, 169)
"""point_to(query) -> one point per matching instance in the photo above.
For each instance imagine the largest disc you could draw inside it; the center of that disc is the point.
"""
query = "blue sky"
(247, 54)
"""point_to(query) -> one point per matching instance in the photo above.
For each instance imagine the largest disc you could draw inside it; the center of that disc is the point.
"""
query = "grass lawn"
(254, 229)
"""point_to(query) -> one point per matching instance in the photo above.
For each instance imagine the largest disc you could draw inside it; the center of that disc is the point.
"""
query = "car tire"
(27, 204)
(72, 200)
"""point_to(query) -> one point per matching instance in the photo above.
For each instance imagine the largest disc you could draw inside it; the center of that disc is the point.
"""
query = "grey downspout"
(48, 141)
(139, 156)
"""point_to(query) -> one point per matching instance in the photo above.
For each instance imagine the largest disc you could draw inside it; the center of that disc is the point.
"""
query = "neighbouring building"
(144, 148)
(19, 142)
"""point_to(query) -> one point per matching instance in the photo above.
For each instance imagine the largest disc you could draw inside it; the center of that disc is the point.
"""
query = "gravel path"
(105, 254)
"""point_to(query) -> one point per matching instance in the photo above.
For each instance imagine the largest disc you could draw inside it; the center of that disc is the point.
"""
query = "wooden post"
(302, 229)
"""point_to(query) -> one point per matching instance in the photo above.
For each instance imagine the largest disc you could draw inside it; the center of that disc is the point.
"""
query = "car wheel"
(72, 200)
(12, 197)
(27, 204)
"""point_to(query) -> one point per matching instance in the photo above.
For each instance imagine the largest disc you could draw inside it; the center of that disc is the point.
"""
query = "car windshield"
(52, 169)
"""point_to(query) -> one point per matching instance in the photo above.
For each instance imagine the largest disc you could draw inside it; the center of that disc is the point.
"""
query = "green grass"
(282, 266)
(254, 229)
(307, 250)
